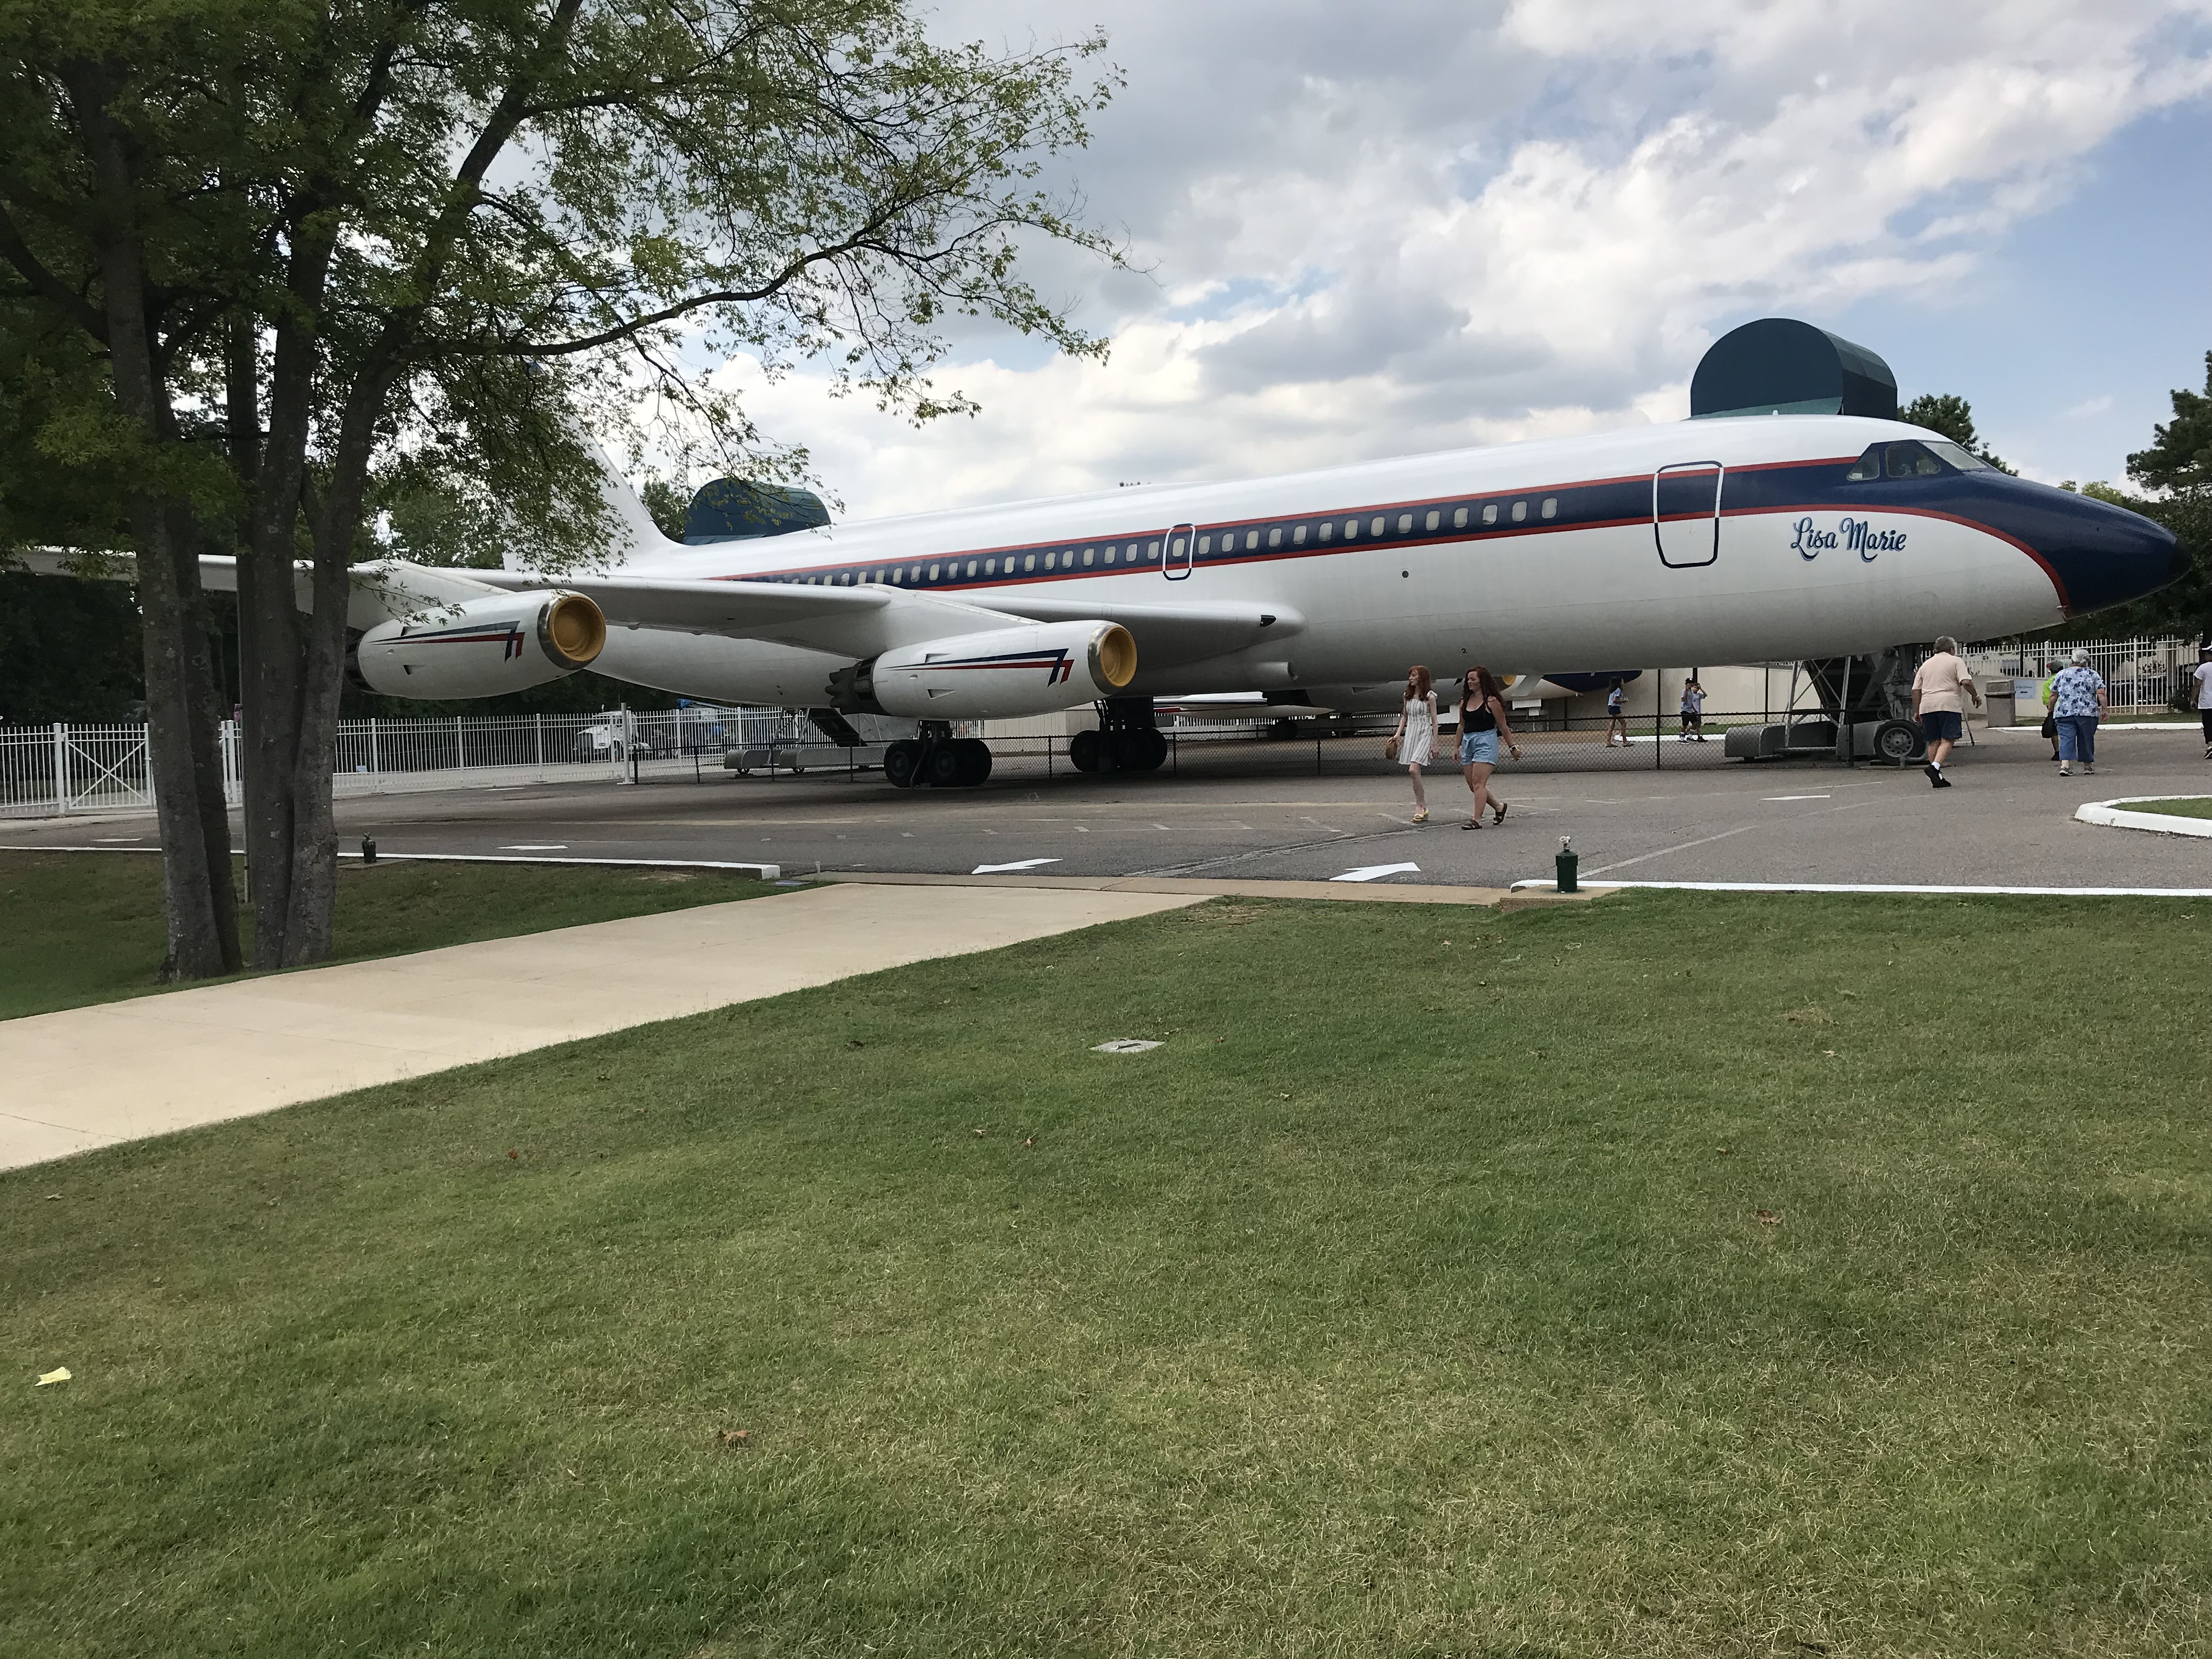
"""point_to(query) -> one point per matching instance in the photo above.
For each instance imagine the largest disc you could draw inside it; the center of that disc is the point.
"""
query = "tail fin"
(635, 537)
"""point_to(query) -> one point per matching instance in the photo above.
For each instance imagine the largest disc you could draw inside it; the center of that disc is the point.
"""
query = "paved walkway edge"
(2115, 815)
(1198, 887)
(81, 1078)
(1903, 888)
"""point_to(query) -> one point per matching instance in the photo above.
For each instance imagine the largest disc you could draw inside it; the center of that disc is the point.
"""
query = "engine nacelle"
(1035, 668)
(505, 642)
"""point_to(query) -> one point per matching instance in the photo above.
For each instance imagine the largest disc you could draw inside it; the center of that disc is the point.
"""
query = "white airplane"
(1742, 539)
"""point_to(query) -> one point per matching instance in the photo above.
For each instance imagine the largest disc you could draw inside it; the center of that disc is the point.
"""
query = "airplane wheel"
(1083, 750)
(1156, 749)
(975, 760)
(1109, 758)
(1898, 742)
(901, 762)
(946, 766)
(1130, 751)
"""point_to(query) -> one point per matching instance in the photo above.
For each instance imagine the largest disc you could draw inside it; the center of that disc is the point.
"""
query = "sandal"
(1421, 816)
(1500, 810)
(1472, 824)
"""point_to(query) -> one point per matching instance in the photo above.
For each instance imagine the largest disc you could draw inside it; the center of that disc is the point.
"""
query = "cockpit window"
(1913, 459)
(1960, 457)
(1909, 460)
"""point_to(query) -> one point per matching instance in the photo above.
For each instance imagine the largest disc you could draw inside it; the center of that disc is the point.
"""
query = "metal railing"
(2141, 675)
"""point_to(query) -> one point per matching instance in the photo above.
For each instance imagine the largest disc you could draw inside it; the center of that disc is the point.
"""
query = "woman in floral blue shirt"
(2077, 704)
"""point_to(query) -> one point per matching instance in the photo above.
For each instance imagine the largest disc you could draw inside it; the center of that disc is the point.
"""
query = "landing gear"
(1128, 740)
(938, 758)
(1899, 742)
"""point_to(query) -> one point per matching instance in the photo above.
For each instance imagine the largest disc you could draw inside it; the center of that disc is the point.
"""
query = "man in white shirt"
(1939, 693)
(2205, 695)
(2203, 677)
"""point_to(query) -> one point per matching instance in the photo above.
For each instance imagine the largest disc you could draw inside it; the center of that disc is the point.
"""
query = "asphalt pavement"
(1258, 812)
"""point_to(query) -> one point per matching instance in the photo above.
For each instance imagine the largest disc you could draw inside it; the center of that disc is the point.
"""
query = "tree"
(1953, 416)
(2176, 471)
(379, 244)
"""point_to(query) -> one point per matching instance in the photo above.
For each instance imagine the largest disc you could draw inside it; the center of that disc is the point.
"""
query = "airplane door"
(1175, 559)
(1686, 514)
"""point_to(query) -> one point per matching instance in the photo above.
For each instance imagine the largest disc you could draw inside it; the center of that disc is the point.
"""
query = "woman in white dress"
(1416, 736)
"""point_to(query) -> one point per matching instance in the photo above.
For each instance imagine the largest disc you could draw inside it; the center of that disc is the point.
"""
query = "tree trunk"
(200, 903)
(273, 649)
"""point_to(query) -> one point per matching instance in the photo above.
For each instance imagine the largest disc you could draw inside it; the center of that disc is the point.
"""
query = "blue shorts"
(1475, 746)
(1940, 725)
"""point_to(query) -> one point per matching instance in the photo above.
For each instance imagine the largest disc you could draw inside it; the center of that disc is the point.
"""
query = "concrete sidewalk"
(93, 1077)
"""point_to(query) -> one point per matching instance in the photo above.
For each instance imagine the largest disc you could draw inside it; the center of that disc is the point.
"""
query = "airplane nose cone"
(2102, 555)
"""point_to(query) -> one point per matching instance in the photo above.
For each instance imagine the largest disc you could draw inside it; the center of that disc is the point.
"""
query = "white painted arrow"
(1374, 871)
(1018, 864)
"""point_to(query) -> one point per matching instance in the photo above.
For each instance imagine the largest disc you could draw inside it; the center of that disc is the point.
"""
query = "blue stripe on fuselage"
(2096, 554)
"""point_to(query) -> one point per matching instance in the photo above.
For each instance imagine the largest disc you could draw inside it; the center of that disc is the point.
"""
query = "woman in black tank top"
(1482, 724)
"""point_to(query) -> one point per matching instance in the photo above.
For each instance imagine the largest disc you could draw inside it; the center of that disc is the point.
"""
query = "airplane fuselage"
(1707, 541)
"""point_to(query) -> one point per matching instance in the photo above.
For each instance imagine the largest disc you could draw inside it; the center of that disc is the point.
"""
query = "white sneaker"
(2065, 770)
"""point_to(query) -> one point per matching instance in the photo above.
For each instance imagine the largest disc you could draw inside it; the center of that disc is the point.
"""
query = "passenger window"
(1251, 541)
(1275, 536)
(1520, 511)
(1459, 518)
(1404, 522)
(1206, 544)
(1490, 513)
(1551, 507)
(932, 572)
(898, 573)
(972, 567)
(990, 567)
(1048, 560)
(1029, 561)
(1298, 537)
(1153, 550)
(1327, 528)
(1433, 520)
(1351, 529)
(1110, 555)
(1087, 554)
(1376, 529)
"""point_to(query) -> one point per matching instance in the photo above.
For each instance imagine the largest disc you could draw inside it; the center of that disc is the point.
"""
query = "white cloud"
(1389, 228)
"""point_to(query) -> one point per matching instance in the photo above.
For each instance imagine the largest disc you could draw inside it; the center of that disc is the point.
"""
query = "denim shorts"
(1478, 746)
(1939, 724)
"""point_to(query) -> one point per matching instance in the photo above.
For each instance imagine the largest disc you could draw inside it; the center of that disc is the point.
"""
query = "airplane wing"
(1166, 635)
(848, 621)
(382, 591)
(863, 620)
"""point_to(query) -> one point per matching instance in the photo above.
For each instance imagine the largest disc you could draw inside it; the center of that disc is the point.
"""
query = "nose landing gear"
(937, 758)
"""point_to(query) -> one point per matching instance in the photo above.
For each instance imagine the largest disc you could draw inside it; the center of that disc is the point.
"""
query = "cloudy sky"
(1409, 225)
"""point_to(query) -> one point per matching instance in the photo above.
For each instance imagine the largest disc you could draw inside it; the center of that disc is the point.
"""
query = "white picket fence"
(49, 771)
(2139, 674)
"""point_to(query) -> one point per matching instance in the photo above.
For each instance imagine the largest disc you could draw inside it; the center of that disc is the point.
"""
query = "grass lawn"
(87, 927)
(1677, 1274)
(2198, 806)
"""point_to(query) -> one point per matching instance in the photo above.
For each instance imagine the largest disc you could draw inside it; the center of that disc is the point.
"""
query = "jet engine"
(1034, 668)
(502, 642)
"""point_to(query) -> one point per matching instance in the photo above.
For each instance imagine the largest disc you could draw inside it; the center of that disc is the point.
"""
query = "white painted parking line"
(1793, 797)
(538, 847)
(1545, 882)
(1376, 871)
(1018, 864)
